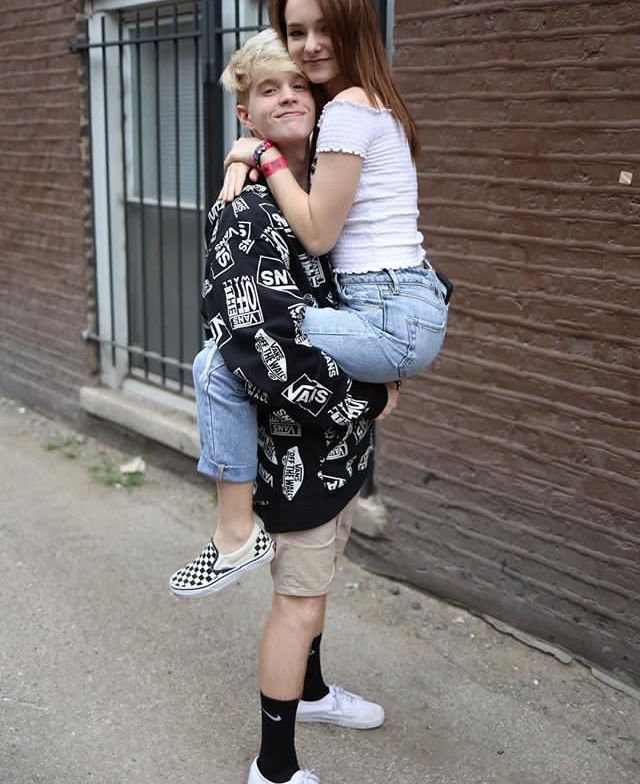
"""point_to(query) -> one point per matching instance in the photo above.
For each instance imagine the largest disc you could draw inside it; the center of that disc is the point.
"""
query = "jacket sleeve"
(254, 309)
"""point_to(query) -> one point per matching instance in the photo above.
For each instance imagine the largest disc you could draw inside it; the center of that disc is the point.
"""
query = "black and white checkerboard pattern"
(263, 543)
(201, 571)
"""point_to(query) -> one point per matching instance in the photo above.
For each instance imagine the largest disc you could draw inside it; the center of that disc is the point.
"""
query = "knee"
(210, 366)
(304, 612)
(200, 363)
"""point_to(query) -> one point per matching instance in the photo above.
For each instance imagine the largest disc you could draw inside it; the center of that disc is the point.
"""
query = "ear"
(242, 113)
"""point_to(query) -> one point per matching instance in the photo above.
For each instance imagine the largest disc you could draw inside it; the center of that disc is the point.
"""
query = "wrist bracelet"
(272, 167)
(260, 151)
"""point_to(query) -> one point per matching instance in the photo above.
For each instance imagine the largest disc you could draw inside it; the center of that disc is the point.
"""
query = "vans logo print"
(215, 212)
(277, 219)
(266, 477)
(274, 238)
(332, 366)
(308, 394)
(297, 314)
(364, 460)
(265, 442)
(332, 482)
(297, 311)
(338, 452)
(349, 408)
(222, 260)
(292, 473)
(246, 243)
(259, 190)
(281, 424)
(243, 304)
(272, 356)
(219, 330)
(312, 267)
(239, 205)
(252, 390)
(272, 275)
(360, 431)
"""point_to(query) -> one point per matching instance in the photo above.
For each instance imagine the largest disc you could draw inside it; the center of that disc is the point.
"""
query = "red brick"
(511, 471)
(43, 270)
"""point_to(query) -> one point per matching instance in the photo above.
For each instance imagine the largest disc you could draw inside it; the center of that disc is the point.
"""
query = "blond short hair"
(262, 53)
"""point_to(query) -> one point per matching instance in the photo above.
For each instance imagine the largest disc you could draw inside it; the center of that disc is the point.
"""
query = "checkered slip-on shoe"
(299, 777)
(210, 572)
(343, 708)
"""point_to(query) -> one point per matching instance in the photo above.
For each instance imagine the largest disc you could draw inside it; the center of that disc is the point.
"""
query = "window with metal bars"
(153, 70)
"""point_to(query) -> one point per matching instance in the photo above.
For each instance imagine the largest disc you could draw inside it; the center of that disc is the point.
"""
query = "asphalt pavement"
(105, 676)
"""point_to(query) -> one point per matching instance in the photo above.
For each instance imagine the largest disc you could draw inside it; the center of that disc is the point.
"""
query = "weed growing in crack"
(107, 473)
(69, 446)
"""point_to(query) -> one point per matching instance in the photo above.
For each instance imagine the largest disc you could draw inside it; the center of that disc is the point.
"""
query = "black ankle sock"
(314, 686)
(277, 760)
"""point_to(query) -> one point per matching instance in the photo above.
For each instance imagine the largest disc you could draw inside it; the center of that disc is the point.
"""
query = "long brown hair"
(355, 34)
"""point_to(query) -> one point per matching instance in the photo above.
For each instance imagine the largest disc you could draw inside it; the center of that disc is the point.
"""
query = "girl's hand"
(234, 180)
(393, 395)
(242, 151)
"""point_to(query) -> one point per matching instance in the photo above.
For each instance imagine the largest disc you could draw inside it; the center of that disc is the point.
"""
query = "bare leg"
(293, 623)
(235, 515)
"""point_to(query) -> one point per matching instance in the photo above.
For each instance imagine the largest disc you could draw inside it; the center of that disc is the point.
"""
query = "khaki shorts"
(305, 561)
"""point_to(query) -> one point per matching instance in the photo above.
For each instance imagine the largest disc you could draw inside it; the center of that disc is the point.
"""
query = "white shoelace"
(309, 777)
(343, 695)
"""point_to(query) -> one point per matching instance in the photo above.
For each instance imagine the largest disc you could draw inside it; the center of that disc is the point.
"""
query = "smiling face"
(280, 107)
(310, 45)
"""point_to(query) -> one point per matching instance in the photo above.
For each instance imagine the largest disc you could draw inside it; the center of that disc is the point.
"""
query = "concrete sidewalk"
(106, 677)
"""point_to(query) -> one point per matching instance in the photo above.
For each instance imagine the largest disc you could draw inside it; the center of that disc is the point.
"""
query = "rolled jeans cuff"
(228, 473)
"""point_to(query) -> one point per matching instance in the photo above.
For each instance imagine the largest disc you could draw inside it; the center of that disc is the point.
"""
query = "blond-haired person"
(313, 420)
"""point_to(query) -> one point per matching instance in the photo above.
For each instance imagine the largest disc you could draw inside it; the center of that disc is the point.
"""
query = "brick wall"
(43, 273)
(511, 472)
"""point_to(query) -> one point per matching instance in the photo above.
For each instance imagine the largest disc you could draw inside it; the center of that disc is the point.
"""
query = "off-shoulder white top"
(381, 230)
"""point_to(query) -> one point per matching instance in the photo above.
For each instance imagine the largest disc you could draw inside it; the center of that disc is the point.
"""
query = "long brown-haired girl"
(362, 204)
(359, 54)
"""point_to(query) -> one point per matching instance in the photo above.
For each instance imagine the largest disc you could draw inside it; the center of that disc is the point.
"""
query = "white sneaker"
(343, 708)
(299, 777)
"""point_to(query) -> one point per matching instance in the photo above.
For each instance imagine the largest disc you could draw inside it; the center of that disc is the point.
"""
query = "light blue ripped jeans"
(389, 326)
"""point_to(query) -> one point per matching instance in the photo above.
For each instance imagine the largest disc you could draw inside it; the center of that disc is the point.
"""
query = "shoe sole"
(228, 579)
(362, 724)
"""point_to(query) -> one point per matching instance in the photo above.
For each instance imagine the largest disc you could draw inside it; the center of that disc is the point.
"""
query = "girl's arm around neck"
(317, 218)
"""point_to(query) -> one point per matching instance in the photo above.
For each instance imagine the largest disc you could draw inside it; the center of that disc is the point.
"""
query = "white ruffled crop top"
(381, 230)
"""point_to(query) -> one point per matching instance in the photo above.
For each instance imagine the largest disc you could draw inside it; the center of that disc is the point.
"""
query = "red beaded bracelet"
(271, 167)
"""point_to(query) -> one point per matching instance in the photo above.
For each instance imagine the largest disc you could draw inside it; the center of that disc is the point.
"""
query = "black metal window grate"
(154, 95)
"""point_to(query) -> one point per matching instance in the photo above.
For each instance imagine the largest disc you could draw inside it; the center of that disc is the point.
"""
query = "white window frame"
(108, 198)
(115, 374)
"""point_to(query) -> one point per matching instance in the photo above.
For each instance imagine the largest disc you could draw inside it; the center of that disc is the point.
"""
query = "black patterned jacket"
(314, 436)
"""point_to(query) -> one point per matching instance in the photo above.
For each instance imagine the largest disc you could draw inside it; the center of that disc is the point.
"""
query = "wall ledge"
(157, 421)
